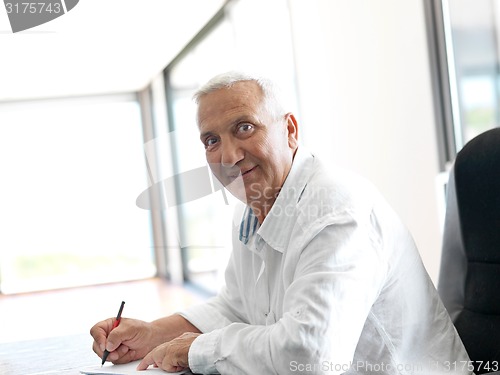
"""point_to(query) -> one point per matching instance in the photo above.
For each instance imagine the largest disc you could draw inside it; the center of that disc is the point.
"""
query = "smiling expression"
(249, 150)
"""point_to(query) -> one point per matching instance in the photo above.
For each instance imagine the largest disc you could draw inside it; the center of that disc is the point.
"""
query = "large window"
(248, 35)
(467, 36)
(71, 170)
(204, 232)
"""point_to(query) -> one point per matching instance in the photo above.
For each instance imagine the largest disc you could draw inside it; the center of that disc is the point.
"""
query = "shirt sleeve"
(336, 279)
(221, 310)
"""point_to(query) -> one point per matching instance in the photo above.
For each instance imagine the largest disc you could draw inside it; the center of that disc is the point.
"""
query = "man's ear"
(292, 130)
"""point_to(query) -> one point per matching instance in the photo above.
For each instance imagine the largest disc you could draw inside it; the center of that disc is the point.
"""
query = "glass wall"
(233, 40)
(205, 237)
(71, 171)
(471, 32)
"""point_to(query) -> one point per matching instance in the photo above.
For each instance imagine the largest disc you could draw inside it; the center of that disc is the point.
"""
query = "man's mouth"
(240, 173)
(248, 171)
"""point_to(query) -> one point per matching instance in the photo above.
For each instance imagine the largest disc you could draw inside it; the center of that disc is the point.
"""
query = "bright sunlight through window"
(71, 171)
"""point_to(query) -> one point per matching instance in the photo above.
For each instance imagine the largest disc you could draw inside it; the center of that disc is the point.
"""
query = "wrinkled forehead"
(241, 96)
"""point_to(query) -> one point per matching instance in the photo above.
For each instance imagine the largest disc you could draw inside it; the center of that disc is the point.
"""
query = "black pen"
(115, 324)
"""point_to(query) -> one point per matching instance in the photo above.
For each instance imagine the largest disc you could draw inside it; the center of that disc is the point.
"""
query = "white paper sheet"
(126, 369)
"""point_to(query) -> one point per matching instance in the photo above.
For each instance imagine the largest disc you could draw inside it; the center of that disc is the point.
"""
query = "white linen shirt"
(330, 283)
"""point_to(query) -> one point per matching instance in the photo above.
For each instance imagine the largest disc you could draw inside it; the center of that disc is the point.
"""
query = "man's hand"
(171, 356)
(130, 341)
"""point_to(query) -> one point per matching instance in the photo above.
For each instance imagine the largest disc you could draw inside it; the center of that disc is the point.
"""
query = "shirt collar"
(278, 224)
(248, 225)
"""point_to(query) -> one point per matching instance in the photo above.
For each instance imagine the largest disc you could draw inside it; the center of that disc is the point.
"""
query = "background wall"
(362, 70)
(366, 102)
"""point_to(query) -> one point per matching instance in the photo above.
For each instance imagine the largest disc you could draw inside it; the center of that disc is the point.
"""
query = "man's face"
(248, 150)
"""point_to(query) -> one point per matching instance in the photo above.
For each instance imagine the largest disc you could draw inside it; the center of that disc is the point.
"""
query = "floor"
(73, 311)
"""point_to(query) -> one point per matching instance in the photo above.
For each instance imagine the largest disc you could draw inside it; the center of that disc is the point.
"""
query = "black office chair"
(469, 280)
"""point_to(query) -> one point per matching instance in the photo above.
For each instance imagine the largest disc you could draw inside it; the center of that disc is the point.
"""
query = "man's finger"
(146, 362)
(100, 332)
(116, 337)
(128, 357)
(97, 349)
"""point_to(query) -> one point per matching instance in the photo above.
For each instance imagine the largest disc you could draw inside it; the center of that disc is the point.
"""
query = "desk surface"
(65, 355)
(55, 355)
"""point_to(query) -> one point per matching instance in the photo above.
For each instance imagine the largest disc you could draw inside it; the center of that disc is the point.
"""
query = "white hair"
(226, 80)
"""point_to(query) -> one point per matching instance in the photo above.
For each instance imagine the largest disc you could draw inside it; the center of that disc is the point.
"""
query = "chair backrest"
(469, 280)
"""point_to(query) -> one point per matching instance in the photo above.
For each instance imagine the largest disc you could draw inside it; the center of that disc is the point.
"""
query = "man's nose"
(232, 153)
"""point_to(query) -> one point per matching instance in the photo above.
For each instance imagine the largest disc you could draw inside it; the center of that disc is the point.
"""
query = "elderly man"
(323, 277)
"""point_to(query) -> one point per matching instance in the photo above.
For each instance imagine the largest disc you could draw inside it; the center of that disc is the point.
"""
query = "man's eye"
(244, 128)
(210, 141)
